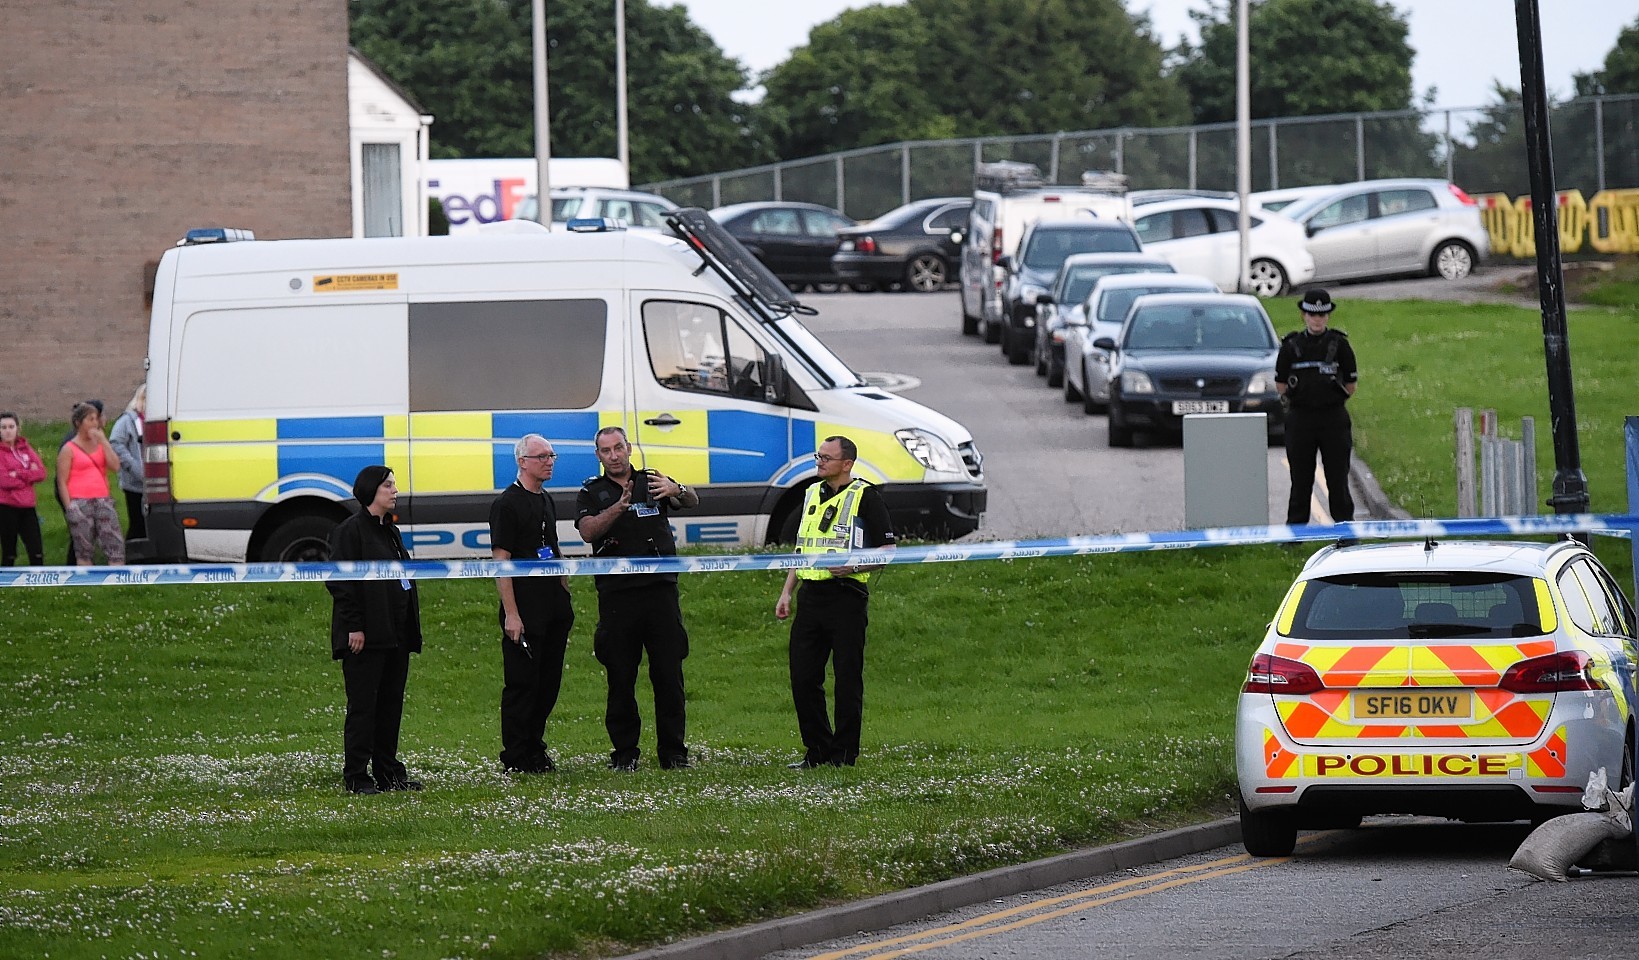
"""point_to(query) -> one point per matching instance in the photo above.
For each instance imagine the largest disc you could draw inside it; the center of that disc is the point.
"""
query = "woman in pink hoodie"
(20, 469)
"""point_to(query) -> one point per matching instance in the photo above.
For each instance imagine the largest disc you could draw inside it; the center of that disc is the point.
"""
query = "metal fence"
(1482, 149)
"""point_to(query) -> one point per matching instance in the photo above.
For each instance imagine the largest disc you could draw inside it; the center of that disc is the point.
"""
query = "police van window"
(291, 359)
(507, 354)
(700, 349)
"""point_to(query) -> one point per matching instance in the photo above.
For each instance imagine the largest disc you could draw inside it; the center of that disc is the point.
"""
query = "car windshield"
(1113, 306)
(1081, 280)
(1188, 327)
(1050, 247)
(1403, 606)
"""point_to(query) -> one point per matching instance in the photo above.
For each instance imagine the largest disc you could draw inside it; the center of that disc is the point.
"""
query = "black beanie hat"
(369, 481)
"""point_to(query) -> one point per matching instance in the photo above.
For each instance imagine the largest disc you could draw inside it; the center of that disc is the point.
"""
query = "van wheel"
(301, 539)
(970, 324)
(787, 533)
(1268, 833)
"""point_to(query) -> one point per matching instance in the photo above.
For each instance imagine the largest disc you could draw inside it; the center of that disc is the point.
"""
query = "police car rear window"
(1387, 606)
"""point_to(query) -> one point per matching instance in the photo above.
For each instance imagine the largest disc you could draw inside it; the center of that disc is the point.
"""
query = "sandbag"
(1553, 848)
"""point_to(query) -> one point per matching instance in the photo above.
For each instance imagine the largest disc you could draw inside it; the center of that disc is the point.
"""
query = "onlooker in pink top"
(82, 484)
(20, 469)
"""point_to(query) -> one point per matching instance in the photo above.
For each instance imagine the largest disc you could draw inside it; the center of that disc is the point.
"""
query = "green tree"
(469, 62)
(1620, 73)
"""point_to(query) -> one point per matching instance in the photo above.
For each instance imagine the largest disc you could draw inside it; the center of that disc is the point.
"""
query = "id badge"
(404, 582)
(545, 553)
(646, 509)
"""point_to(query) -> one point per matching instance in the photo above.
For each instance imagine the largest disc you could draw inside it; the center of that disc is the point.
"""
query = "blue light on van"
(214, 235)
(595, 225)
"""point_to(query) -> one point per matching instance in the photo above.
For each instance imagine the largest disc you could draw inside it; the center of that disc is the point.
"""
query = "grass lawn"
(169, 780)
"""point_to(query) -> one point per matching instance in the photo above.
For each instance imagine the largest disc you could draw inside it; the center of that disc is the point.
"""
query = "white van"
(277, 369)
(1007, 197)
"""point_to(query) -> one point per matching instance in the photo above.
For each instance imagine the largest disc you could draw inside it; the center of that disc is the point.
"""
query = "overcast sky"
(1460, 45)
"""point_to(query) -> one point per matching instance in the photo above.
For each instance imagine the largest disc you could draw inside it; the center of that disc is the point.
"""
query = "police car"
(1476, 680)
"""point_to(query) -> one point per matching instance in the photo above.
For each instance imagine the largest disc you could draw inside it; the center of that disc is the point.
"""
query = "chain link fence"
(1481, 149)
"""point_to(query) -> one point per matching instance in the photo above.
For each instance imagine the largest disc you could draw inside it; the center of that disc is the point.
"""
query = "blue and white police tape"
(1610, 525)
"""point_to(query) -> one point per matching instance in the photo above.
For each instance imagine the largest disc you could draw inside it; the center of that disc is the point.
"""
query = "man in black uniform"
(536, 613)
(1315, 374)
(839, 513)
(623, 513)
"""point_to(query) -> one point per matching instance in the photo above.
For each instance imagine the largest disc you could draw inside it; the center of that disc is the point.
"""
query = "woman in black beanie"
(374, 627)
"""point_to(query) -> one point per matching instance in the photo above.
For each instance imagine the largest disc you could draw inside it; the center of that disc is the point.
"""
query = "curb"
(1364, 488)
(904, 906)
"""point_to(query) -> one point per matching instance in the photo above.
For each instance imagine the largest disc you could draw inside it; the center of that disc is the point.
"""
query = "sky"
(1460, 45)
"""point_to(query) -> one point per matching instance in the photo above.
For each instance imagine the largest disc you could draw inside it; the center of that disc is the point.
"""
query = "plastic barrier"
(1613, 221)
(1620, 526)
(1513, 230)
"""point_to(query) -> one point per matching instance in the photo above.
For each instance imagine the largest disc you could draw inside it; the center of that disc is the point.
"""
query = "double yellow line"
(1038, 911)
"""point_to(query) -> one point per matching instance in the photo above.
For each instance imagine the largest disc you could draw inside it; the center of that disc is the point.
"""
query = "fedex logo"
(499, 202)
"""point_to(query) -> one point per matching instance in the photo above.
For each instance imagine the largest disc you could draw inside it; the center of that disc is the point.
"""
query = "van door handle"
(664, 420)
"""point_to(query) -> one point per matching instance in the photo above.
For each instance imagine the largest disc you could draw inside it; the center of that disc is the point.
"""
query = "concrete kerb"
(905, 906)
(1369, 496)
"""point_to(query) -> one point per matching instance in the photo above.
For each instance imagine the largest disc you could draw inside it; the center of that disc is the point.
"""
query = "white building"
(388, 153)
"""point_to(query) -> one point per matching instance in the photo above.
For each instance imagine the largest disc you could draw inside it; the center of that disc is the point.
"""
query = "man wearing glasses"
(536, 613)
(839, 513)
(623, 513)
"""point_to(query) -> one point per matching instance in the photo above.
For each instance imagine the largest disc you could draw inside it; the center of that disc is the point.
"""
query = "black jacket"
(369, 605)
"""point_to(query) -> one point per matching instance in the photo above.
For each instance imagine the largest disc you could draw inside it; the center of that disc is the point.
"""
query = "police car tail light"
(156, 461)
(1566, 671)
(1272, 674)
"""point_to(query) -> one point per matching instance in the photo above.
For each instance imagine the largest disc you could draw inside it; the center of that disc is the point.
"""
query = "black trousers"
(829, 625)
(136, 525)
(631, 622)
(375, 706)
(529, 690)
(1329, 432)
(24, 523)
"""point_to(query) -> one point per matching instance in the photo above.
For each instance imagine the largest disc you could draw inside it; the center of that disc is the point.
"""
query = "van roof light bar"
(214, 235)
(594, 225)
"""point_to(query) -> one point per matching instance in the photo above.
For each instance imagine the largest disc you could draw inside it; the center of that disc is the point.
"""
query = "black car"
(909, 246)
(1184, 353)
(794, 240)
(1043, 248)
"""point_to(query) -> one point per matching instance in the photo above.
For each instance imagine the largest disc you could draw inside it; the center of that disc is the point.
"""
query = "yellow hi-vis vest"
(839, 535)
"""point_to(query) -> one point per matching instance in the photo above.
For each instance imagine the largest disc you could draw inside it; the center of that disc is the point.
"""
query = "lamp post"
(543, 117)
(1243, 140)
(622, 146)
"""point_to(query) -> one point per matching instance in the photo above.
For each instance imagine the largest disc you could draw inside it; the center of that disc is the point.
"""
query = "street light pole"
(1570, 484)
(622, 146)
(543, 118)
(1243, 141)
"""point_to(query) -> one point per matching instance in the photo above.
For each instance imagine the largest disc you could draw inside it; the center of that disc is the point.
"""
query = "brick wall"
(122, 125)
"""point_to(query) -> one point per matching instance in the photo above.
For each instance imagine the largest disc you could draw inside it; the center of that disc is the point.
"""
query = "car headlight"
(1262, 382)
(1134, 381)
(930, 451)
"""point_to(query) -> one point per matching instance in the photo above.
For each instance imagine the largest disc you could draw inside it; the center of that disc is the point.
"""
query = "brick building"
(124, 124)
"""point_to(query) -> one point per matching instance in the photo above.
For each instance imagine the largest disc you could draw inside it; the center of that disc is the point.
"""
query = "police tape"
(1607, 525)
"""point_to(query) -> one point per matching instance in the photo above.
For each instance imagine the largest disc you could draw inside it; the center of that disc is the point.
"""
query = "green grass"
(169, 780)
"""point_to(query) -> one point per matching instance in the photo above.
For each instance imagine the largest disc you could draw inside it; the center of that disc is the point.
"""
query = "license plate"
(1181, 407)
(1412, 705)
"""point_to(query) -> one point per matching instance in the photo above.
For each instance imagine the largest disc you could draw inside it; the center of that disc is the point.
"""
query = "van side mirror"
(1310, 229)
(1105, 343)
(1006, 263)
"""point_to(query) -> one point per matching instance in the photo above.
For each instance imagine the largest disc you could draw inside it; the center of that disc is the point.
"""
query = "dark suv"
(1030, 272)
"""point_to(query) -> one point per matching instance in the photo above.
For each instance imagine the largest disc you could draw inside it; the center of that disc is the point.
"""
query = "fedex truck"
(277, 369)
(476, 192)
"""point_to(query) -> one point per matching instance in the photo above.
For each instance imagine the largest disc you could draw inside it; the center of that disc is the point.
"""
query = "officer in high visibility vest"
(839, 513)
(1315, 375)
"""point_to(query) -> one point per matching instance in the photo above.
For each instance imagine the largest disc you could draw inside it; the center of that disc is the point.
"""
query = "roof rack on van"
(1006, 176)
(1105, 180)
(214, 235)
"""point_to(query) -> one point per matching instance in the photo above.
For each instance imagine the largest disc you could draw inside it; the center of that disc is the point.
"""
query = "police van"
(277, 369)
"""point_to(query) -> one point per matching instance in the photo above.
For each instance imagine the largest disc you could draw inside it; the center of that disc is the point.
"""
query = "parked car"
(1086, 367)
(794, 240)
(636, 208)
(1388, 227)
(1283, 198)
(1184, 353)
(1476, 680)
(911, 247)
(1202, 235)
(1045, 246)
(1070, 288)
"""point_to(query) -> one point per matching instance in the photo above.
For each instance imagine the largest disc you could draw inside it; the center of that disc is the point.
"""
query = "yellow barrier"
(1613, 221)
(1513, 230)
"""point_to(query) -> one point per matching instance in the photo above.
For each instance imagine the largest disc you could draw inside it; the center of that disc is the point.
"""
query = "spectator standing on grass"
(623, 513)
(126, 438)
(20, 470)
(839, 513)
(374, 627)
(83, 467)
(62, 501)
(536, 613)
(1315, 375)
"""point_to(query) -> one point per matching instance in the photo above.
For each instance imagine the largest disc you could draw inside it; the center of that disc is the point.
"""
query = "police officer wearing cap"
(839, 513)
(1315, 374)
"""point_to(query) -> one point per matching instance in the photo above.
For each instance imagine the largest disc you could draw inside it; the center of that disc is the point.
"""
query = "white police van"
(278, 368)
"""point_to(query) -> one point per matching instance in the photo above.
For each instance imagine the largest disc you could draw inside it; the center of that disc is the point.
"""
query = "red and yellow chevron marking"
(1277, 762)
(1550, 760)
(1498, 715)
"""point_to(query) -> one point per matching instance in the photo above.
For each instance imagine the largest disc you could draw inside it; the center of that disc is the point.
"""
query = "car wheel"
(1452, 260)
(827, 287)
(1089, 403)
(1041, 360)
(304, 538)
(1121, 435)
(970, 324)
(1055, 372)
(1017, 349)
(795, 287)
(925, 273)
(1071, 394)
(1267, 278)
(1268, 833)
(862, 287)
(993, 331)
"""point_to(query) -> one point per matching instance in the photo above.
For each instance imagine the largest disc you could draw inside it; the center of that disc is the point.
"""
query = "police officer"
(623, 513)
(839, 513)
(1315, 374)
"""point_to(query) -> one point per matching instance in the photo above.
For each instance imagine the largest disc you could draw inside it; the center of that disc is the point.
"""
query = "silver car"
(1086, 367)
(638, 209)
(1388, 227)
